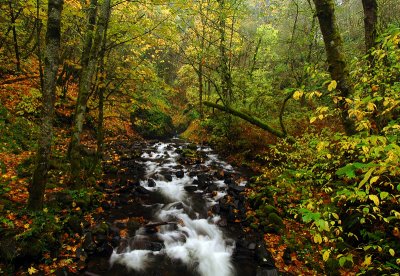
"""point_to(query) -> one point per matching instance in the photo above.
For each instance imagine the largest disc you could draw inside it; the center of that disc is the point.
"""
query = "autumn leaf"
(367, 260)
(375, 199)
(332, 85)
(32, 270)
(325, 256)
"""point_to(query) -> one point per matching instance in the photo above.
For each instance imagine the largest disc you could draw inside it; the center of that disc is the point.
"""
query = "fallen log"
(252, 120)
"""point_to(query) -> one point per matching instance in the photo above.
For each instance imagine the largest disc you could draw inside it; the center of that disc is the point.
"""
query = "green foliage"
(152, 122)
(42, 235)
(17, 134)
(347, 188)
(30, 104)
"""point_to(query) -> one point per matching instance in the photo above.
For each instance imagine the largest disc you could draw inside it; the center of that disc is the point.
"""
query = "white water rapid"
(188, 233)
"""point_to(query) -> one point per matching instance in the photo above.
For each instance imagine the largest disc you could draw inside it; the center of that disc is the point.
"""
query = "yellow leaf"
(332, 85)
(318, 239)
(313, 119)
(391, 252)
(73, 204)
(26, 226)
(297, 94)
(336, 216)
(366, 177)
(325, 256)
(32, 270)
(373, 179)
(371, 106)
(329, 156)
(375, 199)
(367, 260)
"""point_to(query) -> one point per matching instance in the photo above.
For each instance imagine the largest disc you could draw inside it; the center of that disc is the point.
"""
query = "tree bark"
(370, 22)
(252, 120)
(15, 39)
(102, 89)
(53, 34)
(325, 10)
(88, 70)
(226, 80)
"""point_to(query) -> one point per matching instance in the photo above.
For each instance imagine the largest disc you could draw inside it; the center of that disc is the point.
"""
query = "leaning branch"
(252, 120)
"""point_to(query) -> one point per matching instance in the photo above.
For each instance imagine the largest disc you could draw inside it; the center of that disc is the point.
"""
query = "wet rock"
(180, 174)
(212, 188)
(168, 176)
(176, 205)
(115, 241)
(252, 246)
(88, 244)
(192, 174)
(105, 250)
(190, 188)
(224, 204)
(264, 257)
(114, 230)
(236, 189)
(121, 225)
(203, 180)
(133, 226)
(142, 243)
(151, 182)
(142, 190)
(216, 209)
(262, 271)
(222, 222)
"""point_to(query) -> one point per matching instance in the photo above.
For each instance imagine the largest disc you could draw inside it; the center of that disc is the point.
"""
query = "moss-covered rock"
(273, 223)
(152, 123)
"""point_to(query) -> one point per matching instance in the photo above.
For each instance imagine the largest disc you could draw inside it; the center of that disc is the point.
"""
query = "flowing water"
(183, 236)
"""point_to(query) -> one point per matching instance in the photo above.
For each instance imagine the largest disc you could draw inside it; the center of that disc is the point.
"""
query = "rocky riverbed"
(173, 208)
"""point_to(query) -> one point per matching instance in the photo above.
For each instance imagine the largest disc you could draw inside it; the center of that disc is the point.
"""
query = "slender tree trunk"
(53, 34)
(15, 39)
(226, 81)
(101, 91)
(84, 92)
(39, 52)
(370, 22)
(325, 10)
(200, 60)
(84, 86)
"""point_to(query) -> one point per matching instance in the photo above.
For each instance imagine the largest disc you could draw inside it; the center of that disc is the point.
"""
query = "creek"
(192, 205)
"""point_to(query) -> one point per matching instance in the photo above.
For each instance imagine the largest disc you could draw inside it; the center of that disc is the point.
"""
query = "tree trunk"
(370, 22)
(226, 80)
(100, 123)
(325, 10)
(15, 39)
(85, 82)
(53, 34)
